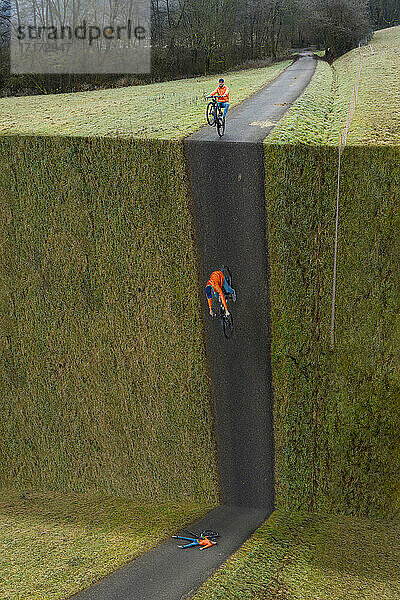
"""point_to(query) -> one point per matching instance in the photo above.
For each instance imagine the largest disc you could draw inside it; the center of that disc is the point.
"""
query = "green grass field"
(54, 545)
(170, 110)
(319, 115)
(376, 119)
(306, 120)
(337, 413)
(301, 556)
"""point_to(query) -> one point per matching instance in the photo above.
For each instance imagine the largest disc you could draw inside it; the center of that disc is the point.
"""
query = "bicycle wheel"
(220, 126)
(210, 114)
(210, 533)
(228, 326)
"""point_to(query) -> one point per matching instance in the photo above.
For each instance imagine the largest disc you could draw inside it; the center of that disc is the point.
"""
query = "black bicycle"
(210, 533)
(215, 114)
(226, 321)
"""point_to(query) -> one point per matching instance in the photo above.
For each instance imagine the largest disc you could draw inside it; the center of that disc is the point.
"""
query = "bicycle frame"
(218, 111)
(225, 320)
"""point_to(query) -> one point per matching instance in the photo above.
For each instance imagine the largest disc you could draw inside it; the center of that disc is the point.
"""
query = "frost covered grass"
(376, 119)
(169, 110)
(306, 121)
(319, 115)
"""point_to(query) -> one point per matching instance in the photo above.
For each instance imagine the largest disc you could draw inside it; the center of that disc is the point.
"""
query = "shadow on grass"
(363, 547)
(93, 510)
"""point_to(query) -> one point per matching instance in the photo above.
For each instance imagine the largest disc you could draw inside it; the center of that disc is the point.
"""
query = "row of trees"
(192, 37)
(201, 35)
(5, 11)
(384, 13)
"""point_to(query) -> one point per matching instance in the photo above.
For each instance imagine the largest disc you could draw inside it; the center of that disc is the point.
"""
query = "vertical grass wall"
(103, 375)
(337, 412)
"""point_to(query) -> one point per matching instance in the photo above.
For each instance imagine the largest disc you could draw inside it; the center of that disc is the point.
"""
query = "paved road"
(228, 188)
(255, 118)
(169, 573)
(227, 178)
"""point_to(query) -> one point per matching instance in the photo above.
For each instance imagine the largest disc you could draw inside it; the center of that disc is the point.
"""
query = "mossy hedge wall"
(337, 411)
(103, 377)
(103, 371)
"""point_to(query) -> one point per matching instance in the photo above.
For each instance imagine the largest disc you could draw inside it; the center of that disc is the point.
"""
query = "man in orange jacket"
(223, 96)
(214, 287)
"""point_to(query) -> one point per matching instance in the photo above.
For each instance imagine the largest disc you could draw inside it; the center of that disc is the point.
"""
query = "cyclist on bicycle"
(223, 96)
(214, 287)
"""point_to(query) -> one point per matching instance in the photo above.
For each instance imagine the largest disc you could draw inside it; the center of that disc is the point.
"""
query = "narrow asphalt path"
(229, 201)
(227, 178)
(255, 118)
(169, 573)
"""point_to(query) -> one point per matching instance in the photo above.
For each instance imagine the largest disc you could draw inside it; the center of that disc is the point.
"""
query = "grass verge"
(53, 545)
(376, 119)
(311, 556)
(319, 115)
(169, 110)
(306, 120)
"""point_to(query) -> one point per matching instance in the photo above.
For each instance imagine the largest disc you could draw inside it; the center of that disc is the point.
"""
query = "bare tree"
(5, 17)
(341, 24)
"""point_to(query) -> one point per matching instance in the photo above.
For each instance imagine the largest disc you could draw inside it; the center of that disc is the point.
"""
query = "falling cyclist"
(216, 286)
